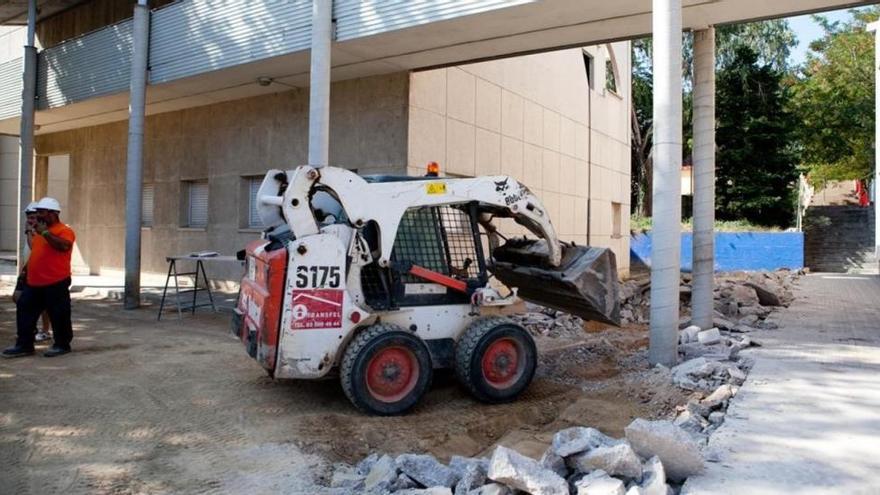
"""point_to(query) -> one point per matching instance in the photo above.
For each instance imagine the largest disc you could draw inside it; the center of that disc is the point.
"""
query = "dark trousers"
(53, 298)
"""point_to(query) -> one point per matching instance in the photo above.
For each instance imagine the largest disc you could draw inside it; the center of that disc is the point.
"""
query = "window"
(617, 220)
(197, 204)
(610, 70)
(147, 205)
(588, 67)
(253, 221)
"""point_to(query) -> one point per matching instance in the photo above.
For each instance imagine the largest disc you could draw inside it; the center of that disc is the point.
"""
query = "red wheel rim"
(392, 373)
(502, 363)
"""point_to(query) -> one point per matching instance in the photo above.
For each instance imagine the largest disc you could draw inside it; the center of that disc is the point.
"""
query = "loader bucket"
(584, 284)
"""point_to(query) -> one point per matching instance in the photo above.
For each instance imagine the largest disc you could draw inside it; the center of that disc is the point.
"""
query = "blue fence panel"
(736, 250)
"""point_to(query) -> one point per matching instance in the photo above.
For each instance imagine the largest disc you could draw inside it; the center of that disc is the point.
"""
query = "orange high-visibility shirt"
(47, 265)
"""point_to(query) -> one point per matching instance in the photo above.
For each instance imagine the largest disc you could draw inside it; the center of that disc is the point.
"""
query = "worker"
(30, 220)
(46, 283)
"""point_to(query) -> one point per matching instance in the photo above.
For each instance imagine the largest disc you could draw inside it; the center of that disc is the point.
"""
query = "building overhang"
(523, 28)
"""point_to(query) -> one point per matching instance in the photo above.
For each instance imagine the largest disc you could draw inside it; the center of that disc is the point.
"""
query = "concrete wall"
(535, 118)
(8, 192)
(610, 138)
(223, 143)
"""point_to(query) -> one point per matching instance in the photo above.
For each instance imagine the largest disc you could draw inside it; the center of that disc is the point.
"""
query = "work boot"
(56, 351)
(17, 351)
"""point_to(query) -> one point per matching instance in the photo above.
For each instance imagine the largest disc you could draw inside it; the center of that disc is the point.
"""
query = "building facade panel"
(538, 116)
(224, 144)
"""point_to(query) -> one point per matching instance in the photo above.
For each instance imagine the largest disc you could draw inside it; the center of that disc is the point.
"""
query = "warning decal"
(316, 308)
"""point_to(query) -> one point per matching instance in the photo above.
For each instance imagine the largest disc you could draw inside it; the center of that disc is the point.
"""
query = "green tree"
(756, 163)
(834, 100)
(771, 40)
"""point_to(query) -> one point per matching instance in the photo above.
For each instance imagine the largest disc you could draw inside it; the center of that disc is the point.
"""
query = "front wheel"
(385, 370)
(495, 359)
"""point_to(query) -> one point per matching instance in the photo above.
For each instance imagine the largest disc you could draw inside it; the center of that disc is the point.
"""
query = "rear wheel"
(495, 359)
(385, 370)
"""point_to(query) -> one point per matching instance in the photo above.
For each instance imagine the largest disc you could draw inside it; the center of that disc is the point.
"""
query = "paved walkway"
(807, 421)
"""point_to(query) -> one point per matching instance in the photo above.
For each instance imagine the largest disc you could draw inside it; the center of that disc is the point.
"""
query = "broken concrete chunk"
(717, 398)
(744, 296)
(748, 320)
(768, 293)
(404, 482)
(473, 477)
(599, 483)
(491, 489)
(426, 470)
(709, 337)
(347, 477)
(381, 475)
(697, 409)
(722, 323)
(689, 334)
(459, 464)
(366, 464)
(716, 418)
(434, 490)
(653, 477)
(578, 439)
(616, 460)
(554, 462)
(737, 376)
(523, 473)
(635, 490)
(677, 451)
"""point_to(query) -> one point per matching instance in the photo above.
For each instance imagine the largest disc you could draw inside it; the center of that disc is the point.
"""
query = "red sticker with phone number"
(317, 308)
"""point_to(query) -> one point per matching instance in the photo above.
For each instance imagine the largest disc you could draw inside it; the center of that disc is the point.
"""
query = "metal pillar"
(26, 136)
(702, 300)
(666, 245)
(134, 175)
(875, 27)
(319, 89)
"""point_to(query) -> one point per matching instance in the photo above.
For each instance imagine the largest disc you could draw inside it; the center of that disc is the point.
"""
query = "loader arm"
(386, 202)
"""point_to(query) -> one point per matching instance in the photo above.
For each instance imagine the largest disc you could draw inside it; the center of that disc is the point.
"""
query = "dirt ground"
(178, 407)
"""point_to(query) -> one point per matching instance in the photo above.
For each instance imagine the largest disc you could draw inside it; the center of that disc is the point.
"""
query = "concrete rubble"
(741, 298)
(653, 459)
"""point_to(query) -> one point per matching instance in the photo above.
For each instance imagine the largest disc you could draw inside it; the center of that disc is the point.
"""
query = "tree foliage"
(834, 100)
(772, 41)
(756, 163)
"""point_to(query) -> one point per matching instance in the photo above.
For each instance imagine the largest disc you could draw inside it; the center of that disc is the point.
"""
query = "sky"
(807, 30)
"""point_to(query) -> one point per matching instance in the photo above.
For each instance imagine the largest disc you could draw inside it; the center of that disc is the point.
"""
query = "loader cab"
(443, 239)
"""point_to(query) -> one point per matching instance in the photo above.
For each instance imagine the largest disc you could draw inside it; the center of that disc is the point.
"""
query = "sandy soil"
(178, 407)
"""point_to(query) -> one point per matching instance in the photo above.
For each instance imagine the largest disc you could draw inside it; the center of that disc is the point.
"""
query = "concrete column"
(702, 300)
(26, 135)
(666, 242)
(319, 89)
(875, 27)
(134, 165)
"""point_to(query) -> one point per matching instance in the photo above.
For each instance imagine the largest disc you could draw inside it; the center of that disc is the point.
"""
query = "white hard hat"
(31, 207)
(48, 203)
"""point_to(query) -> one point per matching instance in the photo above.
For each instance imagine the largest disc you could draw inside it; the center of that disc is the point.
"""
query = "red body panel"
(260, 300)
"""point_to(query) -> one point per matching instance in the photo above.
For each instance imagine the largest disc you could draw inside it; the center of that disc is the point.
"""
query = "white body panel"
(317, 309)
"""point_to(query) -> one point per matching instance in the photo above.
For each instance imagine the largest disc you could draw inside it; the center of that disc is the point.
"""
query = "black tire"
(401, 370)
(509, 354)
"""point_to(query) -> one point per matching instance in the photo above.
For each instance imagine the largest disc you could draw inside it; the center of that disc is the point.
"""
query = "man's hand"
(16, 295)
(40, 227)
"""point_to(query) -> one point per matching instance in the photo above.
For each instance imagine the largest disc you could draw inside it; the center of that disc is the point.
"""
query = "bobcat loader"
(379, 280)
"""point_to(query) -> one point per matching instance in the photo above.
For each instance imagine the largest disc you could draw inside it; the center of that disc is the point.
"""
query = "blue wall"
(736, 250)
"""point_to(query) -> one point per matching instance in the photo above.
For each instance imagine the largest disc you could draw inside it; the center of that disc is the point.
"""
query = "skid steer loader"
(380, 280)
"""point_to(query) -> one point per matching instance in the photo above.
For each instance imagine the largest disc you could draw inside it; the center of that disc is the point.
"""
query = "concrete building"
(556, 121)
